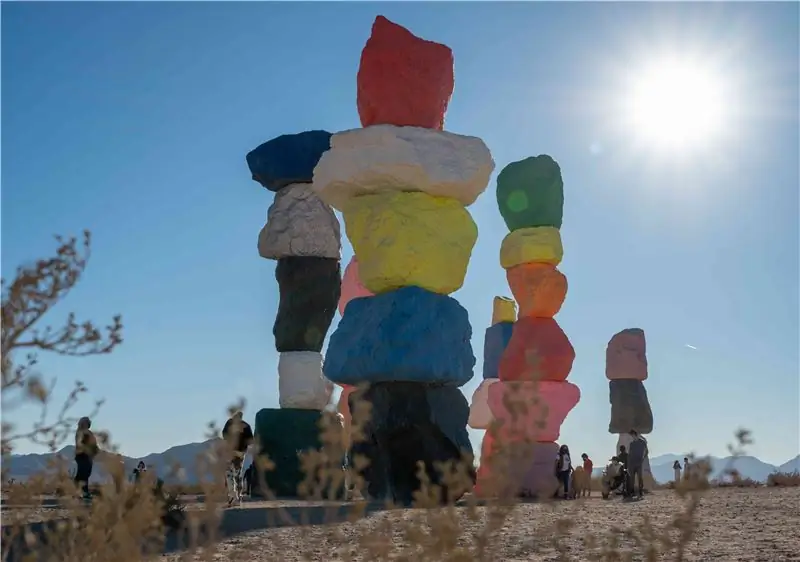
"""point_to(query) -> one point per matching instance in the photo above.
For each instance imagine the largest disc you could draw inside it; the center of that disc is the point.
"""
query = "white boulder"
(480, 416)
(389, 158)
(300, 381)
(300, 224)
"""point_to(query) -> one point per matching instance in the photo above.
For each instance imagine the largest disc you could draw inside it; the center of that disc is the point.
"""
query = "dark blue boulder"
(411, 422)
(410, 335)
(288, 159)
(494, 344)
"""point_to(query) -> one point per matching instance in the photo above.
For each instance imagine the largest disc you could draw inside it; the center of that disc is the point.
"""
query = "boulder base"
(402, 79)
(516, 469)
(411, 422)
(288, 159)
(300, 381)
(532, 411)
(494, 344)
(309, 291)
(530, 193)
(300, 224)
(385, 158)
(409, 335)
(352, 288)
(404, 239)
(630, 407)
(282, 435)
(538, 350)
(540, 289)
(542, 244)
(626, 355)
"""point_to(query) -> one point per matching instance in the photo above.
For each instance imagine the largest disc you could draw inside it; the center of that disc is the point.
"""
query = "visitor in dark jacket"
(239, 436)
(637, 453)
(86, 450)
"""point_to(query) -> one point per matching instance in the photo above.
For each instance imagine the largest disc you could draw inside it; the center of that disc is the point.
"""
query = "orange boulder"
(538, 350)
(539, 289)
(403, 80)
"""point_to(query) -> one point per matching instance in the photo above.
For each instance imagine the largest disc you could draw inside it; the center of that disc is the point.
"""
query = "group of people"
(628, 465)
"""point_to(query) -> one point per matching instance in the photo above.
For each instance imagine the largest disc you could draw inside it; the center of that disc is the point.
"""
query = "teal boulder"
(530, 193)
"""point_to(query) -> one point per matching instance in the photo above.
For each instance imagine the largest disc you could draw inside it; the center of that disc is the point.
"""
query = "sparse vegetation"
(129, 522)
(784, 479)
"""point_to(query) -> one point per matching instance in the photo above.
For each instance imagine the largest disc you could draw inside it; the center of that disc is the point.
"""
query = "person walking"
(86, 450)
(564, 469)
(238, 435)
(138, 472)
(588, 466)
(637, 453)
(676, 468)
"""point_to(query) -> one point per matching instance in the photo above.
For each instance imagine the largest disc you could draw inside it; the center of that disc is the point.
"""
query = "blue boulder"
(494, 344)
(288, 159)
(407, 335)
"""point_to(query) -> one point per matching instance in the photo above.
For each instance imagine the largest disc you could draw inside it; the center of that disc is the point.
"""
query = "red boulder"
(403, 80)
(538, 350)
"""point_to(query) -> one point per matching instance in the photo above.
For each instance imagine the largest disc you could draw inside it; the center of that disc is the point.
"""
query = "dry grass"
(127, 523)
(784, 479)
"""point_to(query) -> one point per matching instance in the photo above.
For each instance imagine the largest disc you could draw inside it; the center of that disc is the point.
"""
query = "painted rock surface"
(530, 193)
(532, 410)
(538, 350)
(288, 159)
(626, 355)
(352, 288)
(539, 244)
(539, 288)
(300, 381)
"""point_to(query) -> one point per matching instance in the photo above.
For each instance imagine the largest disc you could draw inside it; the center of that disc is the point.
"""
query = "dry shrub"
(784, 479)
(129, 522)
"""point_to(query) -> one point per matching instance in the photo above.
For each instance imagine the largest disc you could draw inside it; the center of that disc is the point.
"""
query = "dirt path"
(734, 524)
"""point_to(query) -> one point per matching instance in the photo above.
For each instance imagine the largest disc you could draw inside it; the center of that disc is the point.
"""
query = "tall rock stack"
(302, 233)
(532, 398)
(402, 185)
(626, 371)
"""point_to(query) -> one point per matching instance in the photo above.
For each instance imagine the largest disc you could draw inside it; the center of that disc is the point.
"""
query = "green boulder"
(282, 435)
(530, 193)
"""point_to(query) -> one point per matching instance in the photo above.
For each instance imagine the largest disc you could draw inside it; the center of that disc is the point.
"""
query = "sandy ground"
(734, 524)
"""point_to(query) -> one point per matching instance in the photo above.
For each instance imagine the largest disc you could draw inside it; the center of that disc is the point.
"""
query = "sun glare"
(675, 105)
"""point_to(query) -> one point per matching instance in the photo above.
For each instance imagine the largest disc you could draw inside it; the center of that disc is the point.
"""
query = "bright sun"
(675, 105)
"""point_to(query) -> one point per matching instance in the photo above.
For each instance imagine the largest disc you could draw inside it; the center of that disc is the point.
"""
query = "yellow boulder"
(504, 309)
(410, 238)
(540, 243)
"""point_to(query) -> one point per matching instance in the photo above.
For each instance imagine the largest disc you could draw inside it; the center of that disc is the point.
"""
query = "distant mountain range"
(22, 467)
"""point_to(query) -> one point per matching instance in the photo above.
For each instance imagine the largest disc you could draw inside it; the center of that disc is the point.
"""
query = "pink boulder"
(626, 355)
(351, 286)
(532, 410)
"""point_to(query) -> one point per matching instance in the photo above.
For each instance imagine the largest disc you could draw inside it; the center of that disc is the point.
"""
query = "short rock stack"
(532, 398)
(402, 185)
(302, 233)
(626, 371)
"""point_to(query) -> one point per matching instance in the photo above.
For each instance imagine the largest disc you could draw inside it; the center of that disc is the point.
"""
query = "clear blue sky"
(133, 120)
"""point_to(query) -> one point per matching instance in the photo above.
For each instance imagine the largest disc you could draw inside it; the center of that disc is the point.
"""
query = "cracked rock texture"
(404, 239)
(530, 193)
(539, 288)
(626, 355)
(539, 244)
(309, 291)
(480, 416)
(300, 381)
(532, 410)
(403, 79)
(300, 224)
(410, 335)
(538, 350)
(630, 407)
(387, 158)
(410, 422)
(287, 159)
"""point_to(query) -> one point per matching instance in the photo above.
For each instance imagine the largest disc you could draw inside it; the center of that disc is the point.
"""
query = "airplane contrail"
(690, 346)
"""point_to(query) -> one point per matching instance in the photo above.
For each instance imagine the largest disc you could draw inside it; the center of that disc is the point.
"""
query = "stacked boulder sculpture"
(402, 185)
(626, 371)
(302, 233)
(531, 358)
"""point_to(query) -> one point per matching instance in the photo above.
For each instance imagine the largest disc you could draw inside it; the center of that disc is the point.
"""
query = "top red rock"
(626, 355)
(403, 80)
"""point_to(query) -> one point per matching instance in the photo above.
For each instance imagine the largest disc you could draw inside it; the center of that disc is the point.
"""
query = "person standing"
(564, 468)
(676, 468)
(86, 450)
(588, 466)
(637, 453)
(238, 435)
(686, 468)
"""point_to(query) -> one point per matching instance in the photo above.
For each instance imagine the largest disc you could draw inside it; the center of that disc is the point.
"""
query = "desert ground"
(734, 524)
